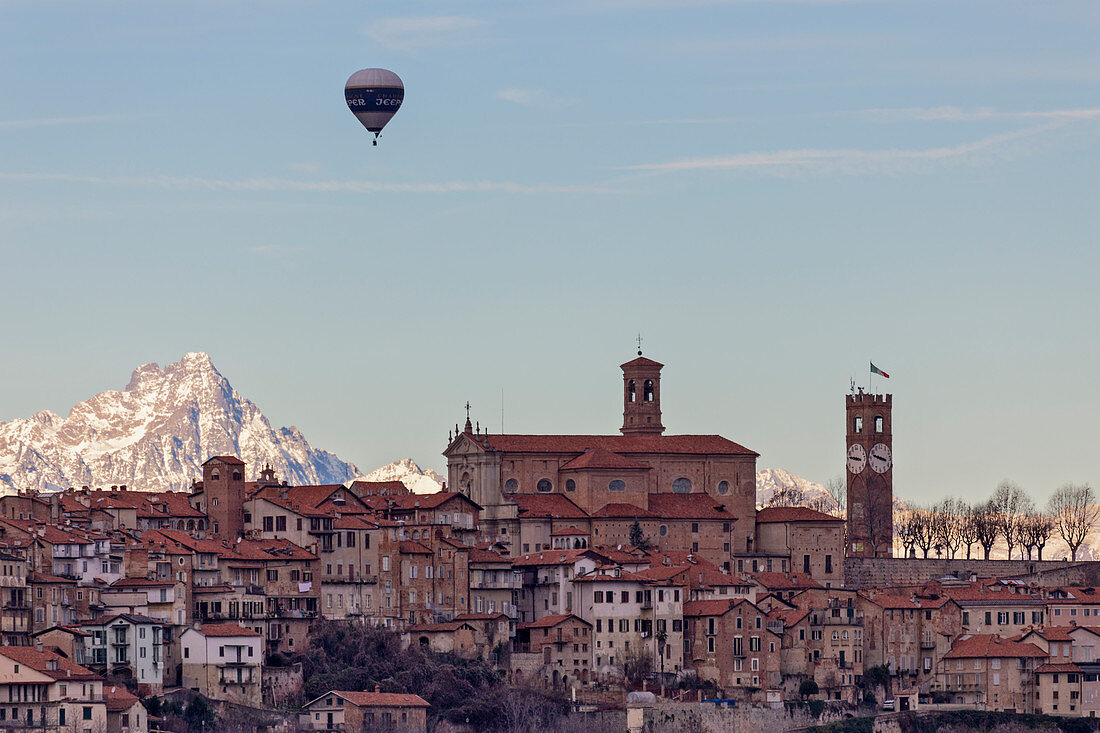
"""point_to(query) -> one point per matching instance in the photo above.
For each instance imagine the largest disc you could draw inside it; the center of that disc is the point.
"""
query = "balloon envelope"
(373, 96)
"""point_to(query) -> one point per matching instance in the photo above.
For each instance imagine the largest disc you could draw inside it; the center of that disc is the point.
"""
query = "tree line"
(1009, 516)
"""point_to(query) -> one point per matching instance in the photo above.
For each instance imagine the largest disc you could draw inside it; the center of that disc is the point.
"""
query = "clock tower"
(870, 471)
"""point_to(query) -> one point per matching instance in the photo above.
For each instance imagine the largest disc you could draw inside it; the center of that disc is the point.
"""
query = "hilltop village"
(587, 566)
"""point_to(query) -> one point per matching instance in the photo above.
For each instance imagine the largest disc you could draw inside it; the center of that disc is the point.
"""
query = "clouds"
(539, 98)
(854, 161)
(958, 114)
(411, 33)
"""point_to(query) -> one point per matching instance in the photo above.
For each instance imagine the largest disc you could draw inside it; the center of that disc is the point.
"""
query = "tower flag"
(876, 370)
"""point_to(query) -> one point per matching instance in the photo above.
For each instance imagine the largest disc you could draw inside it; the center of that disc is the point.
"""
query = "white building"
(223, 662)
(127, 642)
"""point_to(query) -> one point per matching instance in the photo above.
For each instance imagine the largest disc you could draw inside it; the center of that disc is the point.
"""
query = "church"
(537, 492)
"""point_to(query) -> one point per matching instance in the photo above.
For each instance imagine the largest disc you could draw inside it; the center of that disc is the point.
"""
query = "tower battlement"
(870, 399)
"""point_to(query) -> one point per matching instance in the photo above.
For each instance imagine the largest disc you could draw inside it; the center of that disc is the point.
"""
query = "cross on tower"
(639, 340)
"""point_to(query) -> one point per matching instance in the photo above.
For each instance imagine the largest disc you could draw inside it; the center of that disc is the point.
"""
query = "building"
(986, 671)
(592, 471)
(342, 710)
(812, 540)
(224, 662)
(870, 475)
(730, 643)
(129, 645)
(43, 690)
(554, 650)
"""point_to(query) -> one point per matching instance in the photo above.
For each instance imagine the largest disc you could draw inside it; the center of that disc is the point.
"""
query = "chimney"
(38, 646)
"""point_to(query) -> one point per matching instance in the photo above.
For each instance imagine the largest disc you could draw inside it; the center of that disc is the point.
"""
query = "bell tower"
(870, 472)
(642, 397)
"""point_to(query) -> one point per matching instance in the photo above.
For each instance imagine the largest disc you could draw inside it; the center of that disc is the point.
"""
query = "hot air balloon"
(374, 96)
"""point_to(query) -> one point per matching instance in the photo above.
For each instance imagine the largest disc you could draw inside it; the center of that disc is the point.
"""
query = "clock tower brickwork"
(870, 473)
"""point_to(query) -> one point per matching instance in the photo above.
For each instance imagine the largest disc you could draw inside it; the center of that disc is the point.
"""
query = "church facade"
(671, 484)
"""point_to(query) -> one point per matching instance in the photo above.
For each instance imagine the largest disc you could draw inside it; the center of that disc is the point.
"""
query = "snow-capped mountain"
(416, 479)
(798, 490)
(155, 435)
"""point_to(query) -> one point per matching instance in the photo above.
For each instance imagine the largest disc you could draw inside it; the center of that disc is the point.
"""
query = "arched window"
(544, 486)
(201, 524)
(511, 486)
(647, 390)
(215, 476)
(617, 485)
(190, 524)
(663, 530)
(631, 393)
(878, 423)
(215, 501)
(723, 487)
(857, 425)
(570, 485)
(681, 486)
(236, 475)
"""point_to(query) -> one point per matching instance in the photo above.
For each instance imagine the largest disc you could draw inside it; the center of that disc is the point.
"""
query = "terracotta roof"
(409, 547)
(907, 602)
(382, 699)
(1055, 668)
(687, 506)
(442, 626)
(118, 699)
(621, 444)
(134, 618)
(621, 510)
(225, 630)
(428, 501)
(142, 583)
(991, 646)
(642, 361)
(67, 629)
(478, 555)
(1050, 633)
(377, 488)
(549, 557)
(793, 514)
(785, 581)
(231, 460)
(554, 506)
(310, 501)
(596, 458)
(36, 577)
(789, 616)
(481, 617)
(570, 532)
(550, 621)
(39, 661)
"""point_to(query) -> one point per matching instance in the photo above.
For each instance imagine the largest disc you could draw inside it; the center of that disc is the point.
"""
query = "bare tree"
(905, 530)
(947, 518)
(1011, 504)
(1036, 530)
(923, 530)
(987, 526)
(968, 534)
(1074, 510)
(838, 489)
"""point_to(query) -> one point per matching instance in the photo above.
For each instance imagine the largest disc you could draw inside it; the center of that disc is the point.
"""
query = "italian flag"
(876, 370)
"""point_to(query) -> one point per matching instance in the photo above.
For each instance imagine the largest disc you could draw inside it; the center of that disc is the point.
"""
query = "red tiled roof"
(598, 457)
(551, 621)
(621, 444)
(39, 662)
(479, 555)
(231, 460)
(142, 583)
(790, 617)
(553, 506)
(621, 510)
(785, 581)
(226, 630)
(570, 532)
(36, 577)
(991, 646)
(642, 361)
(379, 488)
(793, 514)
(409, 547)
(687, 506)
(118, 699)
(549, 557)
(429, 501)
(382, 699)
(885, 600)
(1055, 668)
(442, 626)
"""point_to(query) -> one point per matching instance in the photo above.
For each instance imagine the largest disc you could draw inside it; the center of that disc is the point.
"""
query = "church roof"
(793, 514)
(554, 506)
(602, 458)
(620, 444)
(642, 361)
(687, 506)
(621, 510)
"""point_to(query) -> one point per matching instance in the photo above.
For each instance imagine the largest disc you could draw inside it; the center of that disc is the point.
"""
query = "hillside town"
(588, 567)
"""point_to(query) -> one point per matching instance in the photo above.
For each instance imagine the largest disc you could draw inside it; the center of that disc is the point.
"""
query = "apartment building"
(985, 670)
(224, 662)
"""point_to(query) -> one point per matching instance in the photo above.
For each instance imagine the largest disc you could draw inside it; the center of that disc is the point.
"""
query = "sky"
(772, 193)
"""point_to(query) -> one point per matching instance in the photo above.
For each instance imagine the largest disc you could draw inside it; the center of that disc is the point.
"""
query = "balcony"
(928, 644)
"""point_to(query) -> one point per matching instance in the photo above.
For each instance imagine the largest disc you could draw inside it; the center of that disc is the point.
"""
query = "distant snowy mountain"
(771, 481)
(416, 479)
(155, 435)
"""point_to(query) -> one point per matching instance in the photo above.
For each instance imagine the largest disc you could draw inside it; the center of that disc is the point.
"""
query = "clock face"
(857, 458)
(880, 458)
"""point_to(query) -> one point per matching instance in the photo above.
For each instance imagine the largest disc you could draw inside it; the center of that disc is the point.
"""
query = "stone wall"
(880, 572)
(282, 685)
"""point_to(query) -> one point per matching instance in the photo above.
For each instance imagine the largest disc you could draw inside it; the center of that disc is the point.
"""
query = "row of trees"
(1009, 516)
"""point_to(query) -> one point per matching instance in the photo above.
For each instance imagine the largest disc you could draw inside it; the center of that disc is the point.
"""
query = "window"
(878, 423)
(617, 485)
(570, 485)
(662, 530)
(87, 713)
(631, 391)
(723, 487)
(511, 486)
(280, 523)
(857, 425)
(269, 524)
(544, 486)
(647, 390)
(681, 485)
